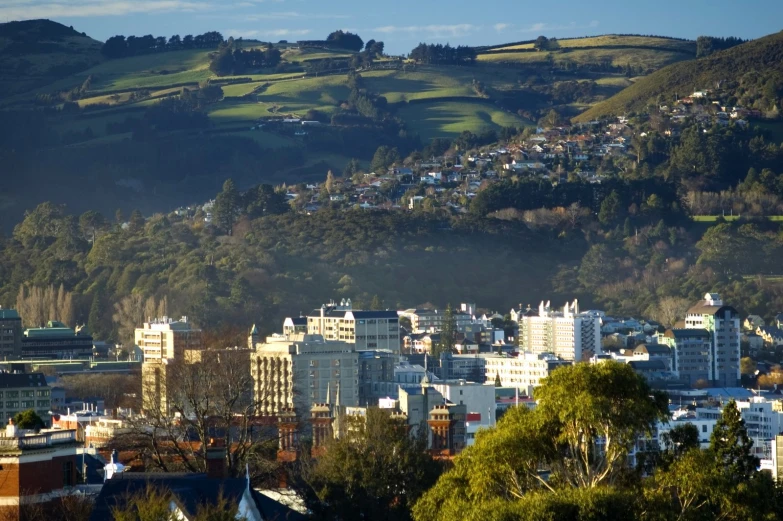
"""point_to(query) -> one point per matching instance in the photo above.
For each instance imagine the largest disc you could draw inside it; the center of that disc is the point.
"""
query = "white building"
(167, 339)
(566, 334)
(376, 330)
(301, 370)
(431, 320)
(723, 324)
(476, 398)
(524, 371)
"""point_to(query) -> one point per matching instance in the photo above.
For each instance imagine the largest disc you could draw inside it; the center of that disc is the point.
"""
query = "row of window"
(27, 404)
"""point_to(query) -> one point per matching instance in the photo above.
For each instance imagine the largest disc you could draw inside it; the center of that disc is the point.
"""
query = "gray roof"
(12, 381)
(688, 333)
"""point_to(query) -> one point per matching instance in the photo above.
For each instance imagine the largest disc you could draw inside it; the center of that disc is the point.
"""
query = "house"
(753, 322)
(772, 335)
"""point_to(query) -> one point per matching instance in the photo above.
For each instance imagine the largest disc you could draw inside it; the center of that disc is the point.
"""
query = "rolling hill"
(39, 52)
(745, 66)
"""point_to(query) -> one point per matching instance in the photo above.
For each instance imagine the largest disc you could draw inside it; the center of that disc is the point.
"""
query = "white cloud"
(270, 33)
(435, 31)
(290, 15)
(501, 27)
(541, 26)
(33, 9)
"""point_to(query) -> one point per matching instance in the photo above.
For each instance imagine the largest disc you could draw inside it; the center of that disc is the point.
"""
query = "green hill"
(643, 53)
(39, 52)
(736, 70)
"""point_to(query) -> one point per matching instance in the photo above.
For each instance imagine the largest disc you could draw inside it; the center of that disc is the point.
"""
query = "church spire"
(328, 393)
(337, 398)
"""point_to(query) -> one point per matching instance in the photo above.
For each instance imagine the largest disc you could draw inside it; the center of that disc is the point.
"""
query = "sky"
(402, 24)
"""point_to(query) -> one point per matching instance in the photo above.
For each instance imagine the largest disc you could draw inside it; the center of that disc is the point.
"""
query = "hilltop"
(38, 52)
(750, 65)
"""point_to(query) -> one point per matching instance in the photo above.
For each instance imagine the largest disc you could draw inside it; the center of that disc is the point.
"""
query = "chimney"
(216, 458)
(10, 429)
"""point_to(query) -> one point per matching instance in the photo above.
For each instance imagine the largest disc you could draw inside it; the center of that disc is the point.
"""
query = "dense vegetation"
(706, 45)
(121, 47)
(754, 70)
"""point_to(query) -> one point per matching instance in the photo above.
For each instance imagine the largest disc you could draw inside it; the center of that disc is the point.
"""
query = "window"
(68, 474)
(703, 428)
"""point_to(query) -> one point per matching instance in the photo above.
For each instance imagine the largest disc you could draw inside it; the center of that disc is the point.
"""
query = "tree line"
(232, 59)
(706, 45)
(121, 47)
(439, 54)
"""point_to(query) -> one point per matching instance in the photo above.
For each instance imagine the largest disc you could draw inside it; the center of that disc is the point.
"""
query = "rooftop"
(9, 314)
(17, 380)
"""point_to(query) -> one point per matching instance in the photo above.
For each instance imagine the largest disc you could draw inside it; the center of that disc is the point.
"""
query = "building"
(164, 338)
(376, 376)
(10, 334)
(723, 324)
(299, 371)
(21, 391)
(163, 342)
(445, 423)
(523, 372)
(292, 326)
(99, 433)
(566, 334)
(367, 330)
(35, 468)
(56, 340)
(704, 426)
(462, 367)
(430, 320)
(479, 401)
(690, 353)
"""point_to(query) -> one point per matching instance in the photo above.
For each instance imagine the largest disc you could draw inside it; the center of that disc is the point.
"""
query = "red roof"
(473, 417)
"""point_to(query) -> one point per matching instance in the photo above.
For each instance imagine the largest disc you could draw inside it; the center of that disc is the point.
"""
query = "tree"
(227, 207)
(329, 183)
(541, 43)
(448, 333)
(681, 439)
(345, 40)
(136, 223)
(610, 208)
(29, 419)
(374, 470)
(37, 305)
(578, 407)
(732, 446)
(498, 383)
(670, 309)
(748, 366)
(90, 223)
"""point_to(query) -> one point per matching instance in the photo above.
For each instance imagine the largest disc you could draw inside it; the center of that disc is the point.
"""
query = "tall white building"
(167, 339)
(295, 372)
(723, 324)
(566, 334)
(367, 330)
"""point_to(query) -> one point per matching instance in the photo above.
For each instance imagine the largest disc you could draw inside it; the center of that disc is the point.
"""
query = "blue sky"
(404, 23)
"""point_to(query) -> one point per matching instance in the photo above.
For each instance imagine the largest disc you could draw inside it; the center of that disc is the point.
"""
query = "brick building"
(35, 468)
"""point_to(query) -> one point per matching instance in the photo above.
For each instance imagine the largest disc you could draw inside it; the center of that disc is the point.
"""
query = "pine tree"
(94, 318)
(136, 223)
(731, 445)
(497, 380)
(227, 207)
(448, 332)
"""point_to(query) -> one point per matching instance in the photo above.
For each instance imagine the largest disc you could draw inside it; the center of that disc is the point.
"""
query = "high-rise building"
(165, 338)
(10, 334)
(163, 341)
(723, 324)
(566, 334)
(299, 371)
(367, 330)
(22, 391)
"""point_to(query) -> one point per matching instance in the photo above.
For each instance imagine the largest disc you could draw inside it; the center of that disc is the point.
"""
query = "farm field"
(448, 119)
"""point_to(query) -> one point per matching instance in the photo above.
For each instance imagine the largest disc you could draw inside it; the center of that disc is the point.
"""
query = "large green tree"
(374, 470)
(226, 208)
(732, 446)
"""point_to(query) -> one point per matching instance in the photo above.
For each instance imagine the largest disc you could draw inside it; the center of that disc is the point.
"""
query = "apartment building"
(690, 353)
(430, 320)
(566, 334)
(367, 330)
(376, 376)
(295, 372)
(22, 391)
(523, 372)
(723, 324)
(10, 334)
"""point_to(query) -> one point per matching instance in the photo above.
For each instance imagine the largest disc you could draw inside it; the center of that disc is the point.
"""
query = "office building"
(566, 334)
(523, 372)
(376, 376)
(723, 324)
(299, 371)
(367, 330)
(10, 334)
(479, 401)
(444, 423)
(56, 340)
(431, 320)
(22, 391)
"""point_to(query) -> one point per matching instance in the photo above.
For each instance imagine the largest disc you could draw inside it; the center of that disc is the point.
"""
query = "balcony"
(37, 441)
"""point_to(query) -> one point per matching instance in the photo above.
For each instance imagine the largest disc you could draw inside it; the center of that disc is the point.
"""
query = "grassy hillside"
(645, 53)
(764, 55)
(39, 52)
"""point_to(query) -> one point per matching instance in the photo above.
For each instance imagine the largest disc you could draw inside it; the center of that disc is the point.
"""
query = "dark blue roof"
(189, 490)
